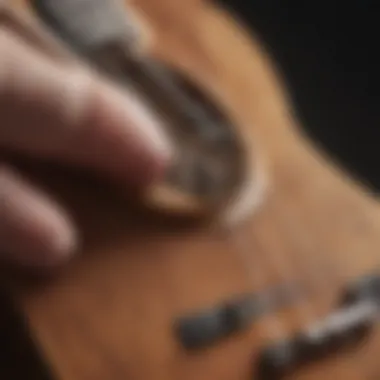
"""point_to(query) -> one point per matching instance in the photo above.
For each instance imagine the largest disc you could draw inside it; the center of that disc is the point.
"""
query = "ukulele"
(255, 258)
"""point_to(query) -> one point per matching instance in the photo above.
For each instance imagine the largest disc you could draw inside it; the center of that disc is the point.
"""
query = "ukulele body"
(109, 314)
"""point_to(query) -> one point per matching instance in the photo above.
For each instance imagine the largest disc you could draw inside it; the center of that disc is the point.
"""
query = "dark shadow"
(19, 359)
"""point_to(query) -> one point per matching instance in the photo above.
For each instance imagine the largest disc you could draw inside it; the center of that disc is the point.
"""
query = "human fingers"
(34, 229)
(69, 115)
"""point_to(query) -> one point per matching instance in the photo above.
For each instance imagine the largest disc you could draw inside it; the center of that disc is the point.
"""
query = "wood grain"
(109, 314)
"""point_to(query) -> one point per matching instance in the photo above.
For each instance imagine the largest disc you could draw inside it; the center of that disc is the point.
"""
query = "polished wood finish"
(109, 314)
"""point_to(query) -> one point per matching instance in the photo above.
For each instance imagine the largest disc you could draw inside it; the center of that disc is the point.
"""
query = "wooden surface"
(109, 314)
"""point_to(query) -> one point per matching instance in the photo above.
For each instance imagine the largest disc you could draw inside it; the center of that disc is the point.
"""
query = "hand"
(68, 116)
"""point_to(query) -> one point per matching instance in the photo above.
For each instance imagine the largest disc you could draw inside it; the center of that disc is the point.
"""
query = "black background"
(328, 54)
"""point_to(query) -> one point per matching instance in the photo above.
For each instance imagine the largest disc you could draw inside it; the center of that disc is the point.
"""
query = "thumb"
(68, 115)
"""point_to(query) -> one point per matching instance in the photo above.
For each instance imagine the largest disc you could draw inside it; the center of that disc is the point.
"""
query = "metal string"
(312, 266)
(297, 232)
(256, 276)
(352, 366)
(319, 271)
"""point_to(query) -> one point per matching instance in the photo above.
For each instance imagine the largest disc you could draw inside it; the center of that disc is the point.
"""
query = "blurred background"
(328, 53)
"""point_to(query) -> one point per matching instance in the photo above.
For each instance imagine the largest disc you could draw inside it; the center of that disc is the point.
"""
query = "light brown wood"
(108, 315)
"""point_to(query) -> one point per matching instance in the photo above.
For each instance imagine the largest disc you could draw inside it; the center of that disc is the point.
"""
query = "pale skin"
(71, 117)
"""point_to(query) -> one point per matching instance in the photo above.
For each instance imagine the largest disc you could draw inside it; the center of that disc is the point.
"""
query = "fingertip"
(34, 231)
(56, 240)
(122, 137)
(73, 115)
(149, 150)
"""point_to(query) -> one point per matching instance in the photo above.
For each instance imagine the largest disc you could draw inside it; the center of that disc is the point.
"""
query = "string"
(302, 312)
(370, 217)
(313, 253)
(304, 263)
(368, 243)
(293, 229)
(352, 365)
(312, 265)
(275, 328)
(310, 317)
(340, 220)
(321, 273)
(256, 277)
